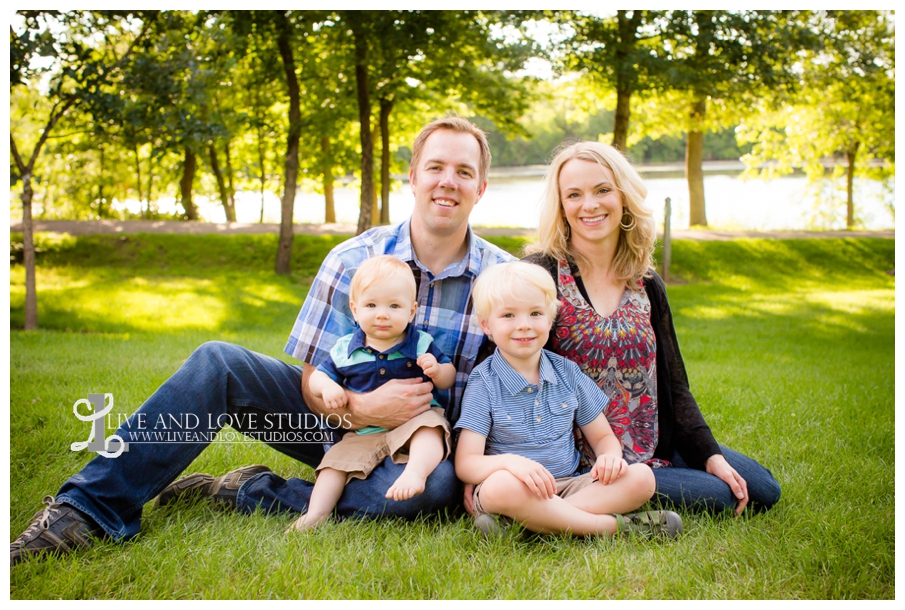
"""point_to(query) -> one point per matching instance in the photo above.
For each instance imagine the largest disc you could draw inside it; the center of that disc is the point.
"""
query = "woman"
(596, 238)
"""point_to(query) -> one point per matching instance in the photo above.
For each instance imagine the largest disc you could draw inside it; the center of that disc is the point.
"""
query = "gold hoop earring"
(630, 225)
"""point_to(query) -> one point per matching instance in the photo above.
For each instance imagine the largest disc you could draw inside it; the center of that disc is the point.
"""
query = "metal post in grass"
(667, 239)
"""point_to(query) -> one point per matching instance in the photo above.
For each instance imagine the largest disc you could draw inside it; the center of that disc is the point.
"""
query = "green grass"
(790, 351)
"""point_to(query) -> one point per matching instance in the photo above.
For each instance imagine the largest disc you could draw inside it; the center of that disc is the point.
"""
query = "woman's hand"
(608, 468)
(468, 500)
(719, 467)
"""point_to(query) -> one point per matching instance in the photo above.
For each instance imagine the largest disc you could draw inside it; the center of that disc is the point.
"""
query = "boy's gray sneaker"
(58, 528)
(649, 523)
(492, 525)
(224, 489)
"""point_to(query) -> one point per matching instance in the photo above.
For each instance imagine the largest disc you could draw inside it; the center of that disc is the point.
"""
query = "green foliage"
(845, 107)
(790, 349)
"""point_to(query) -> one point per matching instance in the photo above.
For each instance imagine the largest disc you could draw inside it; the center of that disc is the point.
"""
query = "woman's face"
(590, 202)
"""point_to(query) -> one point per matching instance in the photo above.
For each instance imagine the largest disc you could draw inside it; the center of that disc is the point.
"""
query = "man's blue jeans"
(690, 489)
(217, 380)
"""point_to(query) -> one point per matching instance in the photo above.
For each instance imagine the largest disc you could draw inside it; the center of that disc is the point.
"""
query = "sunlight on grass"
(790, 351)
(94, 300)
(839, 305)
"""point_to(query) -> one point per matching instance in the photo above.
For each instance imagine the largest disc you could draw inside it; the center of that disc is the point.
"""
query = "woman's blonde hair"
(502, 283)
(634, 251)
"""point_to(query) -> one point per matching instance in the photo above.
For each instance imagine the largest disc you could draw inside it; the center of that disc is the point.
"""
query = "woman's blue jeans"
(253, 389)
(690, 489)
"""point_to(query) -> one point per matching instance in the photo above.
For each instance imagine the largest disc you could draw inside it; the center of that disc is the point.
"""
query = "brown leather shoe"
(58, 528)
(223, 489)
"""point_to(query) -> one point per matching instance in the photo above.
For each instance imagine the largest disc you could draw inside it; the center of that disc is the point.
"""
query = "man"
(448, 176)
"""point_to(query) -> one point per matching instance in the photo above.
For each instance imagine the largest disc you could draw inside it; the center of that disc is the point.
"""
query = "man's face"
(446, 184)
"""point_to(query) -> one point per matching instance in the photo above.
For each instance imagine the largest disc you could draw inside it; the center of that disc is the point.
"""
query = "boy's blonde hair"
(377, 269)
(634, 251)
(500, 284)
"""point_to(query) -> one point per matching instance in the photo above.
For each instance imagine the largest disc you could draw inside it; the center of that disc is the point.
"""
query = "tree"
(617, 53)
(845, 107)
(448, 57)
(722, 60)
(78, 73)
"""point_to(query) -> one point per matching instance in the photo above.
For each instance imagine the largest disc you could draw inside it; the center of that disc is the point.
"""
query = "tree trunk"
(230, 186)
(262, 161)
(386, 107)
(626, 74)
(364, 119)
(850, 155)
(284, 249)
(185, 185)
(100, 186)
(141, 205)
(327, 173)
(28, 242)
(623, 110)
(150, 180)
(221, 184)
(694, 171)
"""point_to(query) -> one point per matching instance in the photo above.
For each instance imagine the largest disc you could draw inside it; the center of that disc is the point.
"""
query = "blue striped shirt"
(444, 302)
(534, 421)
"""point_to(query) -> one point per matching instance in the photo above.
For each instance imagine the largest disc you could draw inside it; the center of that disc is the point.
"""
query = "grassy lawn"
(790, 348)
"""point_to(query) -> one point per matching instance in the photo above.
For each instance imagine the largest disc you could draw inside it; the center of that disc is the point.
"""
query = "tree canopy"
(115, 106)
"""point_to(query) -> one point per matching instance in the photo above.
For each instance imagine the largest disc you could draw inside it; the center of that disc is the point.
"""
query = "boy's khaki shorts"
(565, 487)
(357, 455)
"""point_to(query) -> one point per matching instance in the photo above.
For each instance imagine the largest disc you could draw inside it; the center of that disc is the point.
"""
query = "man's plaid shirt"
(445, 309)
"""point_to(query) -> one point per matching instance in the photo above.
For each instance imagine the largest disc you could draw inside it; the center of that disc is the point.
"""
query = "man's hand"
(719, 467)
(429, 364)
(390, 405)
(608, 468)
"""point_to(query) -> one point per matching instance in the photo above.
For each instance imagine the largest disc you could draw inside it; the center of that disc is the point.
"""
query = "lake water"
(513, 201)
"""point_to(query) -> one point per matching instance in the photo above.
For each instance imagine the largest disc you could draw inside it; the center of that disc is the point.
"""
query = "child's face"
(384, 308)
(520, 327)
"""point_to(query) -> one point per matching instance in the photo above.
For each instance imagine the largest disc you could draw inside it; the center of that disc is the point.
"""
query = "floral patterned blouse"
(619, 352)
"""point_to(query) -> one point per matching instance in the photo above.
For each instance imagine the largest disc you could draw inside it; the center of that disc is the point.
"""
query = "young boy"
(518, 411)
(382, 300)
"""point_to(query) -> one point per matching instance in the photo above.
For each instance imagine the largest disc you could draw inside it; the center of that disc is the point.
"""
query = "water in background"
(732, 203)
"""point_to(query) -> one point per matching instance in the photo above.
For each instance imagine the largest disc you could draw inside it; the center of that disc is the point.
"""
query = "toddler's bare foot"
(407, 485)
(306, 522)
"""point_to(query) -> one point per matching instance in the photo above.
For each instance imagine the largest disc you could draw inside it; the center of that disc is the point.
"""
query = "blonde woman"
(596, 239)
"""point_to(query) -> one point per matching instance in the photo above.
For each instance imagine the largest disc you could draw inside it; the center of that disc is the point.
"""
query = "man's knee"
(216, 351)
(443, 487)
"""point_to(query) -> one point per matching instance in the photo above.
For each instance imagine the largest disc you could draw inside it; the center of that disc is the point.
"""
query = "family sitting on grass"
(580, 415)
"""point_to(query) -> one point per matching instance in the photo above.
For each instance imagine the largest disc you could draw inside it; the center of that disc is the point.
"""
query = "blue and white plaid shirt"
(445, 309)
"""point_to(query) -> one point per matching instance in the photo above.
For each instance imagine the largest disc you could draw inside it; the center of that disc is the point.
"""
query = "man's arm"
(389, 406)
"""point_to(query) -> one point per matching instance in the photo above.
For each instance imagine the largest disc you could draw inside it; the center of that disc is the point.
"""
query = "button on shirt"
(444, 302)
(534, 421)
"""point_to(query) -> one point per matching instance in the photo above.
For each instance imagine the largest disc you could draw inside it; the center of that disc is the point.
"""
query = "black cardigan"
(681, 425)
